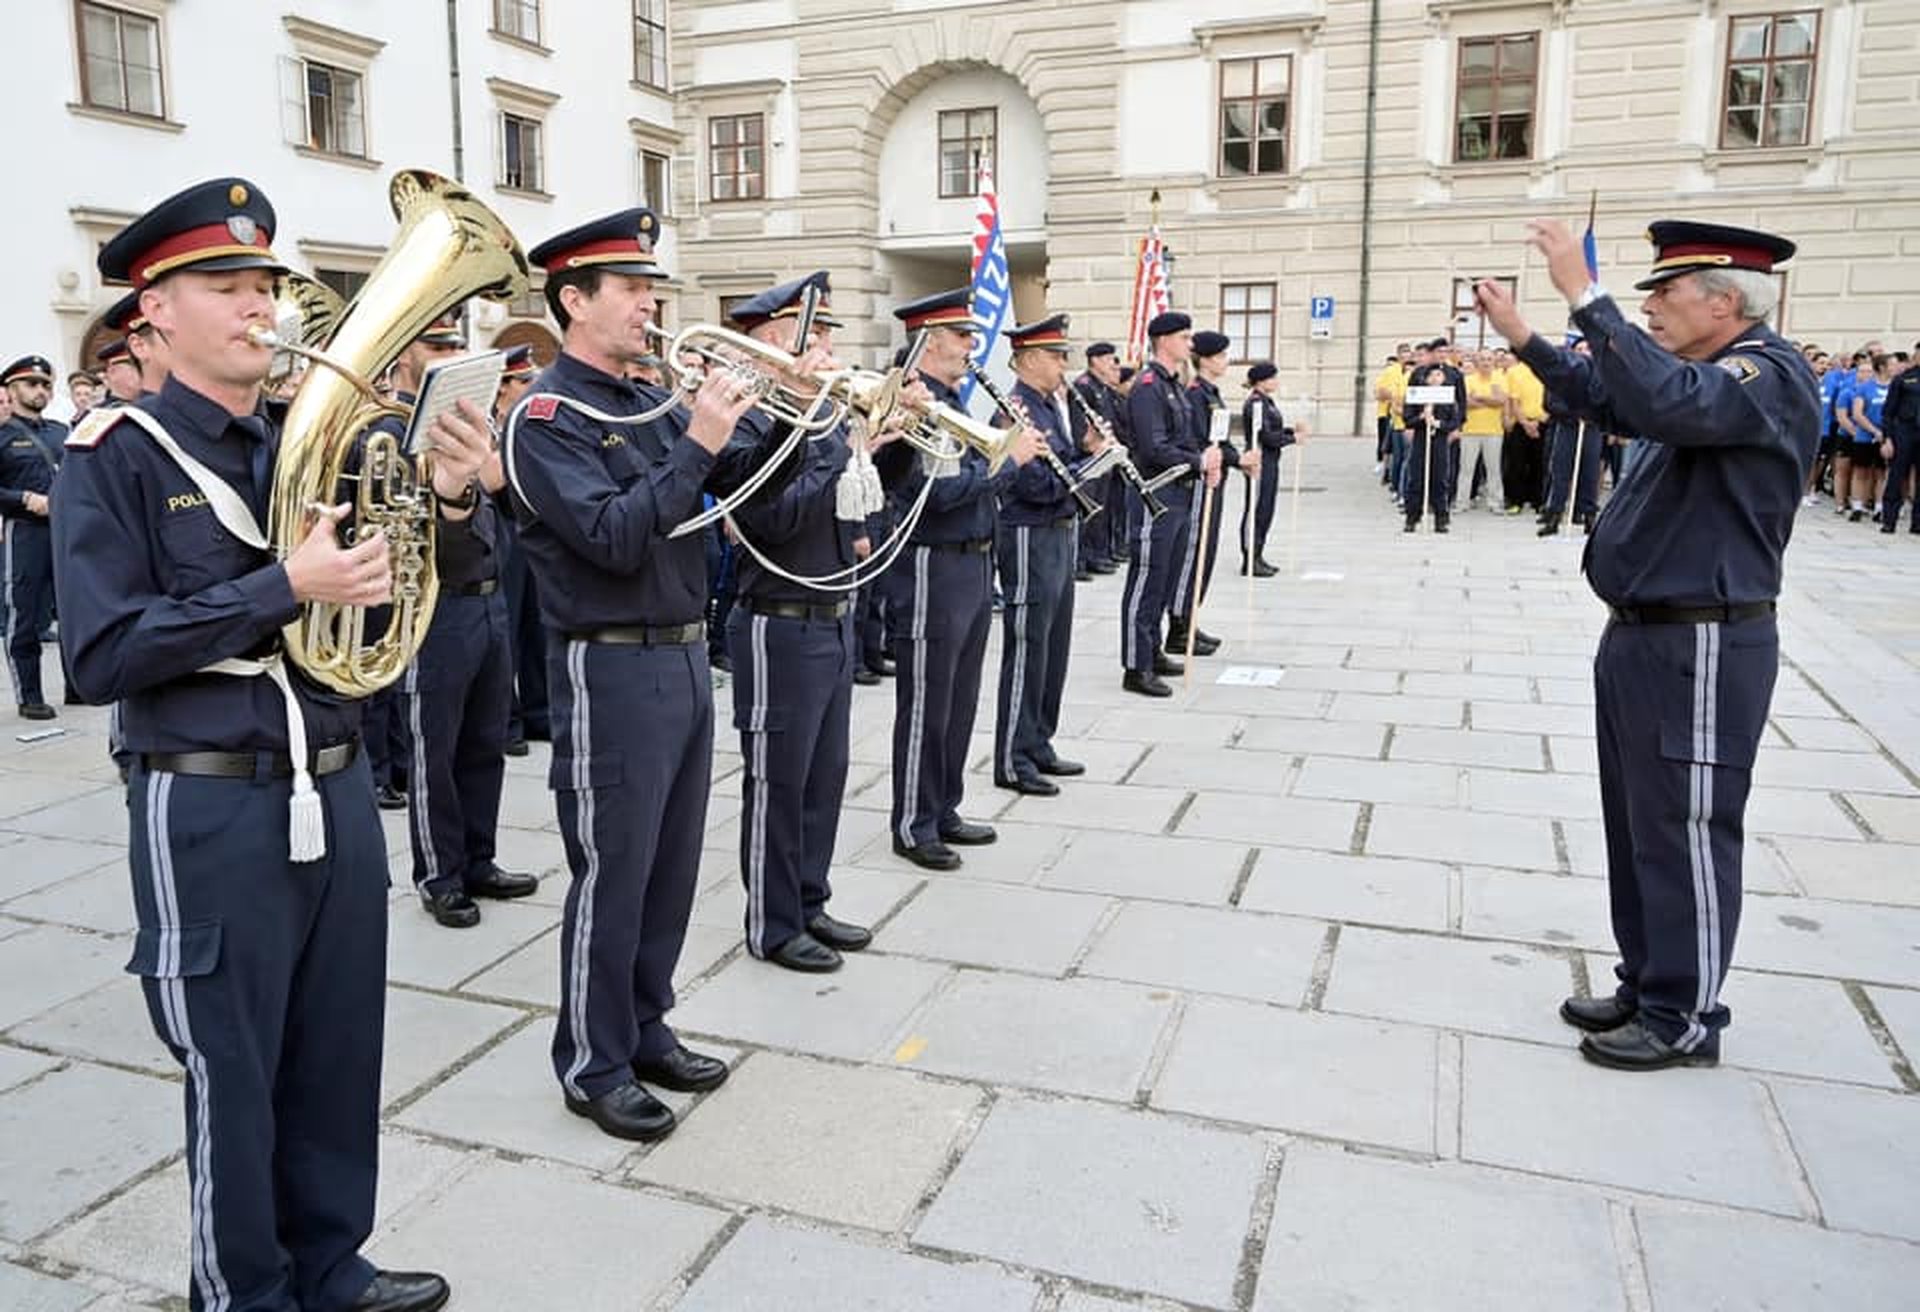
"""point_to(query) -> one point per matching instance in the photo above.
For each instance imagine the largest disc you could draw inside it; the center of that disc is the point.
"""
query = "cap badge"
(243, 228)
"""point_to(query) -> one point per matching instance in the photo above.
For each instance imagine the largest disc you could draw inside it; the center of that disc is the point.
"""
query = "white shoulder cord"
(306, 820)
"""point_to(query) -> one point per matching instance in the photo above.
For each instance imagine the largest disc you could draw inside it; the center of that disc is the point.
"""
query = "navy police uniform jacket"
(1160, 421)
(152, 587)
(597, 501)
(1107, 403)
(960, 508)
(30, 452)
(1703, 519)
(1260, 420)
(1204, 396)
(797, 528)
(1036, 494)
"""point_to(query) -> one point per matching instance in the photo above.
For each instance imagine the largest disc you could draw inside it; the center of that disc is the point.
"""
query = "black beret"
(1169, 323)
(1259, 373)
(1208, 342)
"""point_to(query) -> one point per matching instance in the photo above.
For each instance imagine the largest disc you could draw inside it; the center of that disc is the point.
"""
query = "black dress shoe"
(1166, 665)
(968, 833)
(454, 908)
(72, 698)
(1083, 575)
(1204, 643)
(390, 798)
(626, 1112)
(1262, 570)
(1634, 1047)
(838, 934)
(1412, 526)
(928, 856)
(805, 953)
(502, 885)
(1103, 567)
(1063, 768)
(515, 747)
(1031, 787)
(721, 661)
(1597, 1015)
(865, 678)
(881, 666)
(1440, 524)
(36, 711)
(1147, 685)
(402, 1291)
(683, 1071)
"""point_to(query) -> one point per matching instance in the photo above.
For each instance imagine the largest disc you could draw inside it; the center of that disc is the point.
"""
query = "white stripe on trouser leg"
(917, 714)
(757, 822)
(590, 875)
(1143, 560)
(1184, 580)
(417, 794)
(1706, 900)
(172, 991)
(1018, 604)
(13, 618)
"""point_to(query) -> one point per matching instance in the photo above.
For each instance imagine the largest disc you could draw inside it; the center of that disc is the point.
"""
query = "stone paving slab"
(17, 1066)
(1368, 890)
(1777, 1266)
(1432, 833)
(1168, 869)
(99, 901)
(1900, 1009)
(1554, 910)
(1506, 751)
(1288, 822)
(1352, 1231)
(1175, 1200)
(855, 1146)
(75, 1135)
(768, 1267)
(1488, 988)
(1208, 950)
(22, 1290)
(1853, 871)
(851, 1013)
(1861, 1149)
(109, 1024)
(1844, 940)
(1379, 781)
(46, 965)
(1027, 929)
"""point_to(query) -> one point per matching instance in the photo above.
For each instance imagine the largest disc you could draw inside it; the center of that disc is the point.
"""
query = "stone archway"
(529, 332)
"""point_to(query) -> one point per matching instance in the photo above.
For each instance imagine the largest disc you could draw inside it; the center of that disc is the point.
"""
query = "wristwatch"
(467, 499)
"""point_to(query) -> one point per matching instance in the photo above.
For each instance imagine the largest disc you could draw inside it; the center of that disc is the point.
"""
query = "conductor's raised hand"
(1566, 257)
(723, 399)
(1497, 304)
(321, 569)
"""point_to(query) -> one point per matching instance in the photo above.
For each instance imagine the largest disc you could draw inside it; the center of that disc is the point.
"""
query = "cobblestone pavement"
(1258, 1015)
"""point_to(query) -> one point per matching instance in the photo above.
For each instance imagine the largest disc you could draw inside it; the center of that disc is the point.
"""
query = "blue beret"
(1208, 342)
(1166, 325)
(211, 226)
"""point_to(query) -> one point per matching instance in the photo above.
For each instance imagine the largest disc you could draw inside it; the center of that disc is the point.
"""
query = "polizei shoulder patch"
(1740, 367)
(93, 428)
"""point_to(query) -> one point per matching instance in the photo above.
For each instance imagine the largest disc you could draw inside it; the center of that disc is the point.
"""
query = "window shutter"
(293, 102)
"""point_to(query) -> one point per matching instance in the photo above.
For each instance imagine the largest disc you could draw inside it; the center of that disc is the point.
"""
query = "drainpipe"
(453, 88)
(1366, 220)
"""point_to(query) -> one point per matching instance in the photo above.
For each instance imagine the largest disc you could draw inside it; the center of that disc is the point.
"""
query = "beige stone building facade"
(1378, 154)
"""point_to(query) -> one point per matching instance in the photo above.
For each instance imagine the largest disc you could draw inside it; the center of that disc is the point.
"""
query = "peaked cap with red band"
(783, 302)
(1042, 334)
(941, 310)
(1681, 247)
(619, 243)
(210, 227)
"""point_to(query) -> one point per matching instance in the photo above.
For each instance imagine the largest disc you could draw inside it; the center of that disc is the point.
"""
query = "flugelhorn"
(768, 372)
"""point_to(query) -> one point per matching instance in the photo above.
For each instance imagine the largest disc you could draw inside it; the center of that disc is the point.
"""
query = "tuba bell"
(449, 247)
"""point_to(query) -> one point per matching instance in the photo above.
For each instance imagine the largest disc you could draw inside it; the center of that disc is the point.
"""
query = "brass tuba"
(449, 247)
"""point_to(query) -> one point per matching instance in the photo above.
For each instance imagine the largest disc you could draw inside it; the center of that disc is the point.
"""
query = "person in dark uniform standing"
(1039, 532)
(1687, 555)
(526, 638)
(627, 663)
(1105, 539)
(1161, 421)
(940, 592)
(1569, 437)
(1270, 434)
(454, 695)
(30, 453)
(794, 655)
(1211, 425)
(259, 865)
(1431, 443)
(1900, 447)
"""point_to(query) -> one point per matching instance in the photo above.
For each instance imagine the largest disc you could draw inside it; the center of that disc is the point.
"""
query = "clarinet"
(1018, 414)
(1122, 462)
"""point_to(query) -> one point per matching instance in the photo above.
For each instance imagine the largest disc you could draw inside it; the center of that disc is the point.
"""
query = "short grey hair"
(1757, 292)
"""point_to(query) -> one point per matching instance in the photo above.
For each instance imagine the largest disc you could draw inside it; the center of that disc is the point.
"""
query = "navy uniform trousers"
(1182, 603)
(1433, 492)
(1036, 629)
(29, 603)
(1906, 455)
(1262, 498)
(1151, 574)
(456, 697)
(1679, 709)
(526, 638)
(1563, 435)
(1096, 534)
(267, 981)
(385, 732)
(942, 607)
(792, 700)
(632, 753)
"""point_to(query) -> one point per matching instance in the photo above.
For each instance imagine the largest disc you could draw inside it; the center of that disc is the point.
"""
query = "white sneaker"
(1809, 500)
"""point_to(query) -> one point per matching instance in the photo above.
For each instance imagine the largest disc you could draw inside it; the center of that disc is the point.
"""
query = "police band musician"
(259, 865)
(1687, 556)
(1210, 426)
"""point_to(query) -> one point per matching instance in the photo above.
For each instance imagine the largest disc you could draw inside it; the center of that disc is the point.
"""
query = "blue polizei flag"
(991, 281)
(1590, 247)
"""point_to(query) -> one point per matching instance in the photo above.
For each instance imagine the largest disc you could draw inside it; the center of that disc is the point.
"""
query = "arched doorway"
(529, 332)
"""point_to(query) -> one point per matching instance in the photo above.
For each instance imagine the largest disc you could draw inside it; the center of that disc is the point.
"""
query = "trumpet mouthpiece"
(261, 335)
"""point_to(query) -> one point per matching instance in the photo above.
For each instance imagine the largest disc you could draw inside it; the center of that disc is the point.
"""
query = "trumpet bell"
(958, 427)
(764, 369)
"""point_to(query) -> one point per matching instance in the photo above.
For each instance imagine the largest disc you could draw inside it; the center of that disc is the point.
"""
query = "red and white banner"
(1150, 295)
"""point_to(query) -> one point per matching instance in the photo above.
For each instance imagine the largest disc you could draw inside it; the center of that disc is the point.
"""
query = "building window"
(728, 304)
(335, 119)
(968, 139)
(521, 167)
(656, 183)
(1246, 317)
(518, 18)
(1471, 330)
(1769, 84)
(1254, 94)
(345, 282)
(736, 156)
(1494, 118)
(650, 43)
(120, 60)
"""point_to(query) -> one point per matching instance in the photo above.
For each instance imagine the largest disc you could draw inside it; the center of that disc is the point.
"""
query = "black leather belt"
(1065, 521)
(248, 765)
(484, 588)
(1751, 610)
(644, 635)
(972, 546)
(794, 610)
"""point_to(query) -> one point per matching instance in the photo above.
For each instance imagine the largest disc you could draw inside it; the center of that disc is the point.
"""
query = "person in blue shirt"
(1868, 407)
(1687, 556)
(1840, 399)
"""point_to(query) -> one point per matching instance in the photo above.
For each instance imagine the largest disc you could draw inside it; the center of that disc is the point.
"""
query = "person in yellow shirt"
(1389, 389)
(1526, 449)
(1480, 436)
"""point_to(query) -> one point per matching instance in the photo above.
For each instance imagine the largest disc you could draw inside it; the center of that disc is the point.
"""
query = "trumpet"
(1119, 460)
(1018, 414)
(765, 371)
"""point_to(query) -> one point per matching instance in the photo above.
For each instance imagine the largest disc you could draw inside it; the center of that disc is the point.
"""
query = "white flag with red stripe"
(1150, 294)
